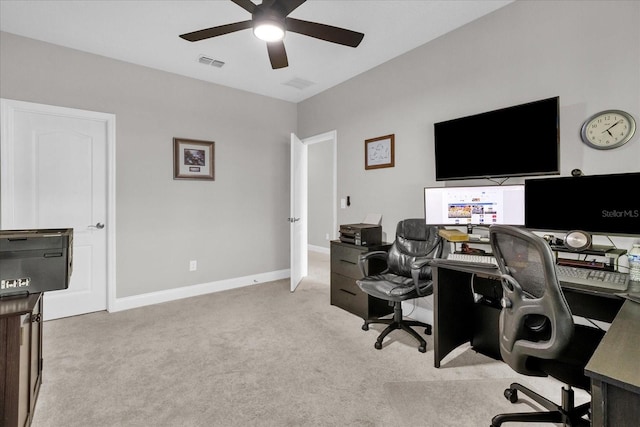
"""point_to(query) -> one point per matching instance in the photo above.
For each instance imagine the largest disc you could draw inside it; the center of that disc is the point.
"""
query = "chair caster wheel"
(378, 345)
(365, 327)
(422, 349)
(428, 330)
(511, 395)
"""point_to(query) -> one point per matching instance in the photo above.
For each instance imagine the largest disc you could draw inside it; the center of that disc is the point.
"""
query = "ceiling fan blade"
(247, 5)
(286, 6)
(324, 32)
(216, 31)
(277, 55)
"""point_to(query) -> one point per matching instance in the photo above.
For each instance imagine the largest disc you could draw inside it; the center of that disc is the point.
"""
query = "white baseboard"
(151, 298)
(320, 249)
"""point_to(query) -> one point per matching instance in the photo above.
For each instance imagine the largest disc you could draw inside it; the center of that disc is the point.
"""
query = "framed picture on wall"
(193, 159)
(379, 152)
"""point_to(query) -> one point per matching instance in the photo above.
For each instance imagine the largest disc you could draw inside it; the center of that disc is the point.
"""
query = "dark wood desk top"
(616, 360)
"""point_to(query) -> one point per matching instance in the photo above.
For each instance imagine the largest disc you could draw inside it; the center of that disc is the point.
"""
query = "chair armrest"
(417, 267)
(363, 260)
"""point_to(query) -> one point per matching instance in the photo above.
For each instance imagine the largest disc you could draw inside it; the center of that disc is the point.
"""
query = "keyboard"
(486, 261)
(596, 278)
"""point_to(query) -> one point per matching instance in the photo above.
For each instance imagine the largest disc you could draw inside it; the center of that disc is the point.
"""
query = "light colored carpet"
(458, 403)
(255, 356)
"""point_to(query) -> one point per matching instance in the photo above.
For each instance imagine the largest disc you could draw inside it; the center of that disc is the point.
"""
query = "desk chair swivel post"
(538, 336)
(408, 276)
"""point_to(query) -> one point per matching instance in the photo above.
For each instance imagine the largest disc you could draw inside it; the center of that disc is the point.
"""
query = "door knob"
(99, 226)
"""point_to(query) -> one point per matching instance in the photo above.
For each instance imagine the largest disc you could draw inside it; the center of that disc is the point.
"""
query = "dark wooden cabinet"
(614, 373)
(345, 292)
(20, 358)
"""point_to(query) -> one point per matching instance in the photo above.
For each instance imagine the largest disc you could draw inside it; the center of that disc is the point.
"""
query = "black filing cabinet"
(345, 292)
(20, 358)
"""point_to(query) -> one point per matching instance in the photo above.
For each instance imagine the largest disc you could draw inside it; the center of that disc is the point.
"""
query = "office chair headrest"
(413, 229)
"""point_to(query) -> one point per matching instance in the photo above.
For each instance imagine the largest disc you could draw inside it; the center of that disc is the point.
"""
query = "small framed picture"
(379, 152)
(193, 159)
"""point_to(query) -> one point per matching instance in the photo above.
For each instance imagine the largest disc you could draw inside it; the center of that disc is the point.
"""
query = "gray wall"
(163, 223)
(523, 52)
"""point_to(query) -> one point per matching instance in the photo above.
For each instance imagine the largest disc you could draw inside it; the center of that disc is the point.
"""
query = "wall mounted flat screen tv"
(596, 204)
(522, 140)
(469, 206)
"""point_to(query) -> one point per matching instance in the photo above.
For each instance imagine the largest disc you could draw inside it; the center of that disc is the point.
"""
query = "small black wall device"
(34, 261)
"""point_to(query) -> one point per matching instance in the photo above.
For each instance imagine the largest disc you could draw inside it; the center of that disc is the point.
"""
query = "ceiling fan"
(269, 21)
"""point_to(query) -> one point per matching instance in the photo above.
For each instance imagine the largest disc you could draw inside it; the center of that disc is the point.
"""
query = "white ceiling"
(145, 32)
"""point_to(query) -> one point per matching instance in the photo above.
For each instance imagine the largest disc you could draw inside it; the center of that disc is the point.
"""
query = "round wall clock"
(608, 129)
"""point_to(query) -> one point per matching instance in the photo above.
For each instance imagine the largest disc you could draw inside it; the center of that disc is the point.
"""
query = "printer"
(361, 234)
(33, 261)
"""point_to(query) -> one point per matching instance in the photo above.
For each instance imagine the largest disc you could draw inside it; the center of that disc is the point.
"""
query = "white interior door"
(54, 175)
(298, 217)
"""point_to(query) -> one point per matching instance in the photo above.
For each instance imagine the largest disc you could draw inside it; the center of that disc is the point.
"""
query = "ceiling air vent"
(210, 61)
(299, 83)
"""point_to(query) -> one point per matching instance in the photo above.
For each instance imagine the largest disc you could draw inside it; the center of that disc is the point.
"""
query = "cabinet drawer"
(346, 294)
(344, 261)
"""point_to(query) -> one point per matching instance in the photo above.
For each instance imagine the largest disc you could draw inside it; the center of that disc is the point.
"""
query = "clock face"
(608, 129)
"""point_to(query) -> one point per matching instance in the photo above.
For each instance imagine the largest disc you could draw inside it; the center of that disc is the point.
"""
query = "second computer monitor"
(474, 206)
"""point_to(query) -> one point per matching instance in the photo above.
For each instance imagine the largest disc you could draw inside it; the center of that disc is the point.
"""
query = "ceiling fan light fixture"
(269, 30)
(270, 23)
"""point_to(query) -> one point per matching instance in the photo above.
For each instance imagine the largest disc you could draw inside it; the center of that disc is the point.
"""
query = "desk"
(454, 307)
(614, 370)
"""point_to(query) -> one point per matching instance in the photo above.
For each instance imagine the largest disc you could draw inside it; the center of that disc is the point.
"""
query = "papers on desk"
(373, 219)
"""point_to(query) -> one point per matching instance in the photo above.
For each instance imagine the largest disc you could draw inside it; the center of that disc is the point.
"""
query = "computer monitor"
(474, 206)
(601, 204)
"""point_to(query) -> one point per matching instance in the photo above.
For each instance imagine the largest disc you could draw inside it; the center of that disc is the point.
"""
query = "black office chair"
(415, 244)
(538, 336)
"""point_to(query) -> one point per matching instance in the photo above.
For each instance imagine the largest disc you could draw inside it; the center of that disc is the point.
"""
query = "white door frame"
(332, 137)
(301, 258)
(298, 212)
(7, 109)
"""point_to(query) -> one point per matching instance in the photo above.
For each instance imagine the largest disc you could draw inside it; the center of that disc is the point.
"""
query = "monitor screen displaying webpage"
(465, 206)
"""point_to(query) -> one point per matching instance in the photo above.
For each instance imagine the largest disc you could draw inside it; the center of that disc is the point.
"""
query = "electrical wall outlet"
(326, 236)
(193, 265)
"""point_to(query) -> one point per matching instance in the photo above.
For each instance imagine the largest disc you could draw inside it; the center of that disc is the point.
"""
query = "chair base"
(567, 413)
(398, 322)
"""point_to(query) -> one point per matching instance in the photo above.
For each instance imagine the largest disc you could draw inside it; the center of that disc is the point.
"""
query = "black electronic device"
(521, 140)
(361, 234)
(34, 261)
(598, 204)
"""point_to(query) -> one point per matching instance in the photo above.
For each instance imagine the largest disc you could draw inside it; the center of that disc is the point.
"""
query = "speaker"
(577, 240)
